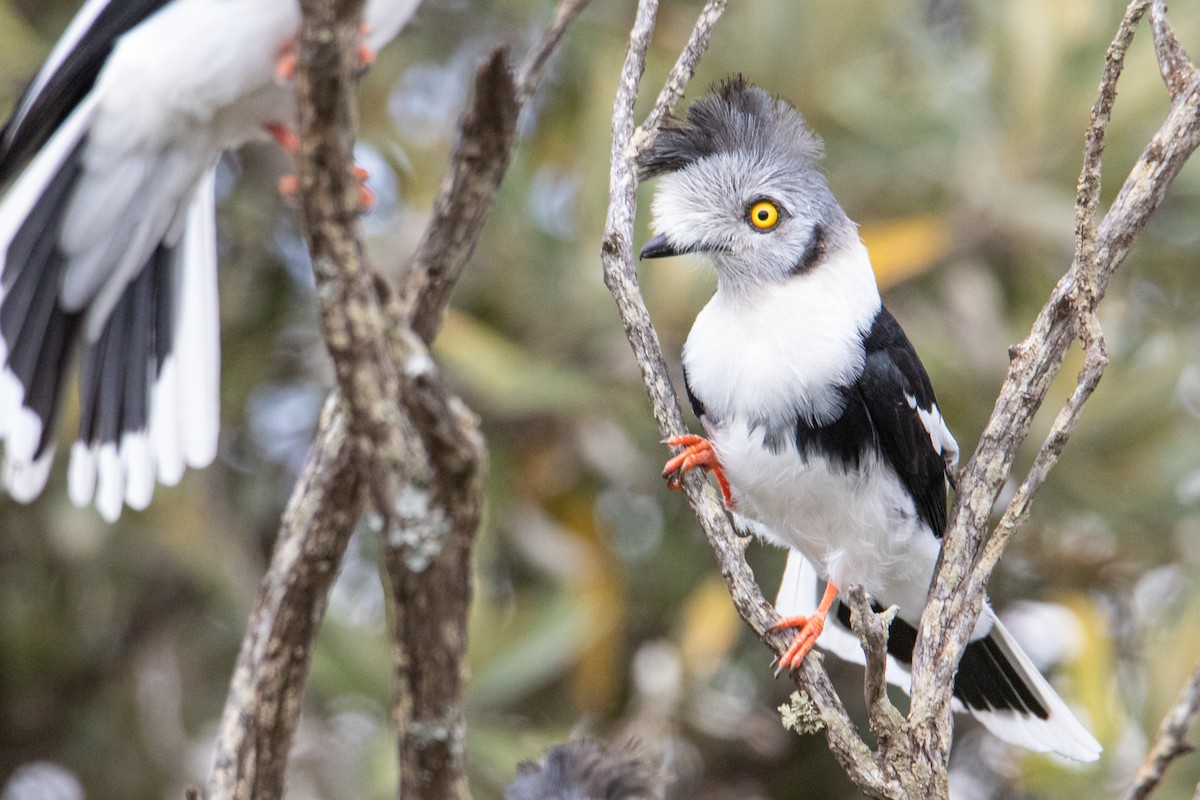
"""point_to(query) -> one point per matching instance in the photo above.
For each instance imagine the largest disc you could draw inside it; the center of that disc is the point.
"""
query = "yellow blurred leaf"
(710, 627)
(595, 684)
(904, 248)
(1092, 670)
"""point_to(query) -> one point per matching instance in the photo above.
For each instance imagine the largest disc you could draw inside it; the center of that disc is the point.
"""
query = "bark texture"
(394, 442)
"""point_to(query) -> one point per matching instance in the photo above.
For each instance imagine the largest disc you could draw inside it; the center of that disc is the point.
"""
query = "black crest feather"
(735, 115)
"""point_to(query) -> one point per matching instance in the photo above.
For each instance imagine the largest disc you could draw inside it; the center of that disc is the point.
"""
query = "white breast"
(755, 361)
(858, 526)
(778, 349)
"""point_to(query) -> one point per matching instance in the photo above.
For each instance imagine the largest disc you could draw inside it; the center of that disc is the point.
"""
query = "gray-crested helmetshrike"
(822, 426)
(107, 231)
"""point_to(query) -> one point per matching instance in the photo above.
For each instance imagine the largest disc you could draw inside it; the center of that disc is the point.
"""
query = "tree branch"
(872, 630)
(956, 596)
(428, 562)
(530, 75)
(1171, 743)
(681, 74)
(393, 429)
(263, 704)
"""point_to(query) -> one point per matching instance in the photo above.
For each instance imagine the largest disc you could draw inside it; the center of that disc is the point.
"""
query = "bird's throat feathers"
(767, 352)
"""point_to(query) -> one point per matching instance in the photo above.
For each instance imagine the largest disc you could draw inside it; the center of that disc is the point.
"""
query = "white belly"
(857, 525)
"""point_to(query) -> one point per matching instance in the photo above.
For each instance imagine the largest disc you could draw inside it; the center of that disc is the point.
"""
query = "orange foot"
(285, 66)
(697, 452)
(810, 629)
(287, 138)
(289, 189)
(366, 56)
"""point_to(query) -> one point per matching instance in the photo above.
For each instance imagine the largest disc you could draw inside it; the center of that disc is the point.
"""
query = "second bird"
(107, 232)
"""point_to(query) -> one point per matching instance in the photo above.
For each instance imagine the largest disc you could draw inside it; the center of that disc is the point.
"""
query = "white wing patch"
(939, 433)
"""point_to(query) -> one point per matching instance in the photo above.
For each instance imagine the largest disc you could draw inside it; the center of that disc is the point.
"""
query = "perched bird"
(822, 426)
(107, 231)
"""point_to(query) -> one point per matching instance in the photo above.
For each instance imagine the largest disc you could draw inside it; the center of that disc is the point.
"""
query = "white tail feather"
(1061, 733)
(25, 479)
(197, 338)
(81, 475)
(110, 484)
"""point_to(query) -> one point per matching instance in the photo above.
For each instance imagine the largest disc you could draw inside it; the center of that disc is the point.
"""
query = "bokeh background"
(954, 131)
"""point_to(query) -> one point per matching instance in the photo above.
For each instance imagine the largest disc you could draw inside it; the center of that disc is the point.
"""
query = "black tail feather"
(116, 383)
(985, 679)
(37, 331)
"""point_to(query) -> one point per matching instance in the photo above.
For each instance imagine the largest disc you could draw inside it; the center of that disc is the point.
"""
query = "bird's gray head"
(740, 183)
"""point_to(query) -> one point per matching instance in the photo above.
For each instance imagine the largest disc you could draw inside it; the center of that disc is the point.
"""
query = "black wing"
(24, 135)
(893, 373)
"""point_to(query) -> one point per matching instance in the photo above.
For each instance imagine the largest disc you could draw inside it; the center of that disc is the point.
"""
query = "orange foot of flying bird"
(697, 452)
(810, 629)
(289, 189)
(285, 67)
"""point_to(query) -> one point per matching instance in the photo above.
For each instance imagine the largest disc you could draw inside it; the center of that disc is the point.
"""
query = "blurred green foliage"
(954, 132)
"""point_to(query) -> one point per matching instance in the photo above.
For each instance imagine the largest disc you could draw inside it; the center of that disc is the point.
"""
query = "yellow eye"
(764, 215)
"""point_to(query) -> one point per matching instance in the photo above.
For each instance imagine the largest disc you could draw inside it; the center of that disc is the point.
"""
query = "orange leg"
(810, 629)
(697, 452)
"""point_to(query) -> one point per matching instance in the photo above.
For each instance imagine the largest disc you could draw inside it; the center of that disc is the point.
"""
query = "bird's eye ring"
(764, 215)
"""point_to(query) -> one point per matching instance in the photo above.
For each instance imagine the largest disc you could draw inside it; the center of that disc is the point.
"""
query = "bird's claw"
(289, 190)
(806, 637)
(287, 138)
(285, 66)
(697, 452)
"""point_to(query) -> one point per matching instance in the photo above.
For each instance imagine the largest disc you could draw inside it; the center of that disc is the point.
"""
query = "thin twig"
(872, 630)
(529, 77)
(681, 74)
(1171, 742)
(1173, 62)
(481, 156)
